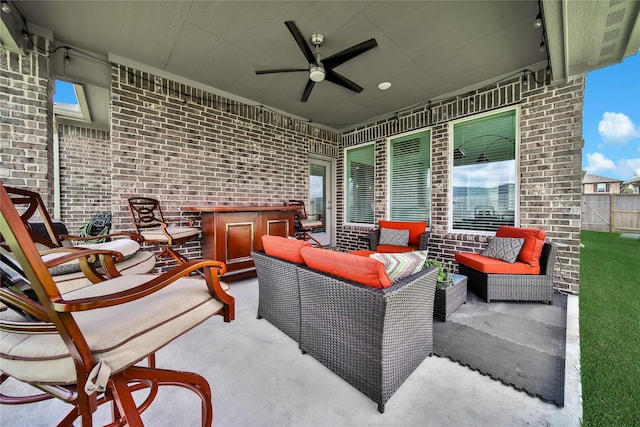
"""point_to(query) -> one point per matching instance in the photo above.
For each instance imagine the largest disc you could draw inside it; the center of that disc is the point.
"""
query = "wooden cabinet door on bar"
(229, 234)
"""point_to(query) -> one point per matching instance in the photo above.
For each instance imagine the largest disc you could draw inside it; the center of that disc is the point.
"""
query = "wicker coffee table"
(450, 296)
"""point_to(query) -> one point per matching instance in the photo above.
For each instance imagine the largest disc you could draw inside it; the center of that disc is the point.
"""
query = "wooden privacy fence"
(611, 212)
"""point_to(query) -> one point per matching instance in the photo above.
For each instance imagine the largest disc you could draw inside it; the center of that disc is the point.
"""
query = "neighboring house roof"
(633, 181)
(594, 179)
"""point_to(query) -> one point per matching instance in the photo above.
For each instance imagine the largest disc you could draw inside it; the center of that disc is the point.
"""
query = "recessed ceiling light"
(384, 85)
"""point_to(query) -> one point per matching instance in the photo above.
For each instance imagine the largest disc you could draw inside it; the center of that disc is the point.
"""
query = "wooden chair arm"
(154, 284)
(89, 255)
(27, 327)
(179, 220)
(24, 303)
(133, 236)
(87, 259)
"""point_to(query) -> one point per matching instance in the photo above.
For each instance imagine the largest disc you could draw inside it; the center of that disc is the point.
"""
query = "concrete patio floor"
(259, 378)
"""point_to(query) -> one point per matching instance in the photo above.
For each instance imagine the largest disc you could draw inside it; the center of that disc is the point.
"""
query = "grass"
(610, 329)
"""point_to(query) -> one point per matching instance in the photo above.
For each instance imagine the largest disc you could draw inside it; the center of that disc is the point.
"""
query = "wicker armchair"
(279, 295)
(372, 338)
(515, 287)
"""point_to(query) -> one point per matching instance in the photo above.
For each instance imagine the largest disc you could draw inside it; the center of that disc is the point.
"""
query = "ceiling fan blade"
(336, 78)
(349, 53)
(281, 70)
(302, 43)
(307, 90)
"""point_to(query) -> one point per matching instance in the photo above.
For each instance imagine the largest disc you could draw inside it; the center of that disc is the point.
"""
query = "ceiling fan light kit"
(316, 73)
(322, 68)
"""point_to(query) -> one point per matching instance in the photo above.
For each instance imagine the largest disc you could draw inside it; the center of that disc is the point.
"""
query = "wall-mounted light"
(67, 58)
(5, 6)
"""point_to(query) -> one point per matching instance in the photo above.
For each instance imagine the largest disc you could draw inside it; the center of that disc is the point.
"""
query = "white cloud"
(629, 168)
(617, 128)
(597, 162)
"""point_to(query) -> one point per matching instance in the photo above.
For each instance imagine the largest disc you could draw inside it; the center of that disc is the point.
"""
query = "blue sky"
(611, 120)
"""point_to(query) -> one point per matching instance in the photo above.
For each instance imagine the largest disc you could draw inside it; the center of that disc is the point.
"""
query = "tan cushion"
(126, 247)
(156, 234)
(310, 223)
(119, 336)
(141, 262)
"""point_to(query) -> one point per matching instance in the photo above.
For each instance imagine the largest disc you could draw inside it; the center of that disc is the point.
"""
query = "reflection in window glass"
(484, 172)
(359, 179)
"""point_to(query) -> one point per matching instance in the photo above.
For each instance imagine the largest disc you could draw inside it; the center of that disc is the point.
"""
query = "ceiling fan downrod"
(316, 71)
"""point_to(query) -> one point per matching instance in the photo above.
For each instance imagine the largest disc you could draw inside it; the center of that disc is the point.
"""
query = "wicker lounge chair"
(515, 287)
(372, 338)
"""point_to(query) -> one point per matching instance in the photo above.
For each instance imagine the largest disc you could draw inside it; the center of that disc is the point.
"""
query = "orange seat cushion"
(281, 247)
(416, 228)
(359, 269)
(495, 266)
(362, 252)
(533, 242)
(395, 249)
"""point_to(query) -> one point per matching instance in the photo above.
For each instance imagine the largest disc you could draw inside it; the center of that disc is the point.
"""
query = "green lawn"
(610, 329)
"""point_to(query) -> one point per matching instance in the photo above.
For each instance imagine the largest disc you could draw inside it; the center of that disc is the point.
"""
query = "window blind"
(410, 178)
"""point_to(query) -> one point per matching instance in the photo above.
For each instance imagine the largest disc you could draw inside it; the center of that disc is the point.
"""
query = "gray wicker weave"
(515, 287)
(279, 298)
(372, 338)
(449, 298)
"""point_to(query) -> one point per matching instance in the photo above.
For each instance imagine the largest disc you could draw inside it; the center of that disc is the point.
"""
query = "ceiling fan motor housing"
(317, 39)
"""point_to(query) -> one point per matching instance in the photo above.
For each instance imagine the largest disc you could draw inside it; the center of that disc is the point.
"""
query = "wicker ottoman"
(450, 296)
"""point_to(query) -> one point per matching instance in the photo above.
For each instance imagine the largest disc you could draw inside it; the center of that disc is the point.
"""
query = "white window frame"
(389, 172)
(451, 167)
(345, 185)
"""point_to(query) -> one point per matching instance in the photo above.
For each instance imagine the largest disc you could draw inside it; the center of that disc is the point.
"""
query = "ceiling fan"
(322, 68)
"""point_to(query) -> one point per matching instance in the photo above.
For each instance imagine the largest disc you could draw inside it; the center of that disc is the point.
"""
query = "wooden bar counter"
(230, 233)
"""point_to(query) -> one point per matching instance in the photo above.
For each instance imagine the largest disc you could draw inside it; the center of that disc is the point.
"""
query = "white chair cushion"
(120, 336)
(140, 263)
(156, 235)
(126, 247)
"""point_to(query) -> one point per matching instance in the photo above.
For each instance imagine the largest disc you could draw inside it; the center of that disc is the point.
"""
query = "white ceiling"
(426, 49)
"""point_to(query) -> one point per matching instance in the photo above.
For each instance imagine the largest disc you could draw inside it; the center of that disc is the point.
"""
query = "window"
(484, 172)
(69, 102)
(410, 178)
(359, 179)
(601, 187)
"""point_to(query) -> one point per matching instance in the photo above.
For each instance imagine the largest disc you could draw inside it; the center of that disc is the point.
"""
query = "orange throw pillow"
(416, 228)
(359, 269)
(533, 242)
(281, 247)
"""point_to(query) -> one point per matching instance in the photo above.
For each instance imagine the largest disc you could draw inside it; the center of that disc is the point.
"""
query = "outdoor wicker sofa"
(515, 287)
(372, 338)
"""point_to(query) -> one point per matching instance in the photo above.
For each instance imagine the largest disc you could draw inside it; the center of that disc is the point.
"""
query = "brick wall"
(187, 147)
(26, 111)
(550, 165)
(85, 174)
